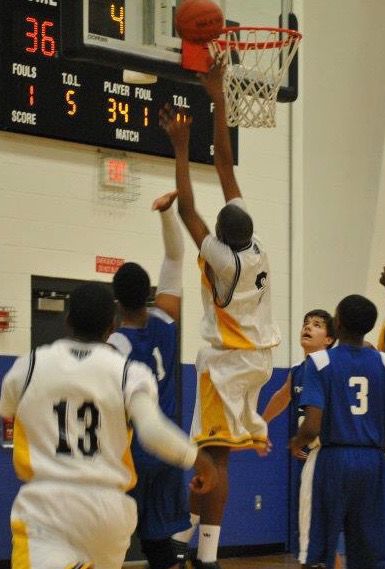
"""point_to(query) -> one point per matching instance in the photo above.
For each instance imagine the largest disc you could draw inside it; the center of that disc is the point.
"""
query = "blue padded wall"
(9, 485)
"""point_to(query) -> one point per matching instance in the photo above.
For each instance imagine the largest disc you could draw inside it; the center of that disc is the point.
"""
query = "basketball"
(199, 21)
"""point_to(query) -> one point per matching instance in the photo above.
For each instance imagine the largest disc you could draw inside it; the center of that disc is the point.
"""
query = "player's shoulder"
(158, 313)
(137, 375)
(321, 359)
(120, 342)
(295, 368)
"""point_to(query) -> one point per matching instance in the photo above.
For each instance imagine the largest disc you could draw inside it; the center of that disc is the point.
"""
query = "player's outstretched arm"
(279, 401)
(169, 290)
(179, 133)
(382, 277)
(164, 439)
(223, 154)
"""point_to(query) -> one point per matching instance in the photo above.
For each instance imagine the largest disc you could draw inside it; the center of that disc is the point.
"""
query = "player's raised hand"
(206, 477)
(177, 126)
(382, 277)
(164, 202)
(212, 81)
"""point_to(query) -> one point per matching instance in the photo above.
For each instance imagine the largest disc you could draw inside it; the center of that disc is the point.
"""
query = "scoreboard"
(46, 94)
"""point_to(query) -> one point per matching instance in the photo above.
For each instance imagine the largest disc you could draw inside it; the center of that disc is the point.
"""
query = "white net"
(257, 61)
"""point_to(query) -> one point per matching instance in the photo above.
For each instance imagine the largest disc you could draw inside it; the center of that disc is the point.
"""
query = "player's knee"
(164, 553)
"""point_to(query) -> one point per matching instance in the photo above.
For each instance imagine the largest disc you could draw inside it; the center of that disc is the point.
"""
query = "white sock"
(208, 543)
(186, 535)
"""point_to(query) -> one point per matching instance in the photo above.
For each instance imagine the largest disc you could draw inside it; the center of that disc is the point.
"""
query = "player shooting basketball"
(237, 320)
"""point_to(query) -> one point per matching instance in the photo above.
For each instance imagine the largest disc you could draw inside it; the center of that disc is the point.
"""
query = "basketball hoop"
(256, 60)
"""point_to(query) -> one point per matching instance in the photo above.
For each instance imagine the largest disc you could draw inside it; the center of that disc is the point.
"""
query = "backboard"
(140, 34)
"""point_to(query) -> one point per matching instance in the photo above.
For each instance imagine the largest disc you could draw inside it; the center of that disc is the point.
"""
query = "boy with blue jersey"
(344, 396)
(317, 333)
(150, 335)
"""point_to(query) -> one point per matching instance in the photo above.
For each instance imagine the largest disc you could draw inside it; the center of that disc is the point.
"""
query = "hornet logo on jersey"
(261, 280)
(80, 354)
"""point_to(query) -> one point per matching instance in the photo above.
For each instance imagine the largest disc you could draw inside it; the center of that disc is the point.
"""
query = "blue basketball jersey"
(296, 411)
(348, 384)
(156, 346)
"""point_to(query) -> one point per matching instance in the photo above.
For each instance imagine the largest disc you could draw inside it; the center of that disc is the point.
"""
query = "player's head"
(131, 286)
(355, 316)
(234, 227)
(91, 311)
(317, 332)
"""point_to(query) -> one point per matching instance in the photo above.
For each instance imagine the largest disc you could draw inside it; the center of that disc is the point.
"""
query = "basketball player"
(381, 337)
(150, 335)
(237, 320)
(317, 333)
(344, 397)
(72, 402)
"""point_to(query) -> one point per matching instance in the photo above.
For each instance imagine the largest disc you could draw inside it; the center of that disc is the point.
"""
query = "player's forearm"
(159, 436)
(279, 401)
(305, 435)
(183, 183)
(223, 154)
(172, 235)
(275, 407)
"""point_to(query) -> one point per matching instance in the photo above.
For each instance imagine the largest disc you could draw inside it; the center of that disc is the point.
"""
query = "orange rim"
(244, 45)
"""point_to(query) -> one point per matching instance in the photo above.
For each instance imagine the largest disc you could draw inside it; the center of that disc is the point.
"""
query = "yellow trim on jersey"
(21, 454)
(213, 418)
(20, 548)
(238, 444)
(381, 339)
(129, 463)
(203, 267)
(214, 426)
(231, 333)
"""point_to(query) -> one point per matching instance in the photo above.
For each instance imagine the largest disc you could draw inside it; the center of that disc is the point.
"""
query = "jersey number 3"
(88, 415)
(361, 395)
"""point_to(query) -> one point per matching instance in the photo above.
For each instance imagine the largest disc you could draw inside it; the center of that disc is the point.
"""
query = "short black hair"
(356, 314)
(329, 322)
(91, 310)
(132, 286)
(235, 227)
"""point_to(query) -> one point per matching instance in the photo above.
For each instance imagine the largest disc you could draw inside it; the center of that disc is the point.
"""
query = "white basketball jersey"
(71, 403)
(236, 296)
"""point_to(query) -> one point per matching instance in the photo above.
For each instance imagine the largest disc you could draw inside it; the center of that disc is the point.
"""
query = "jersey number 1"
(88, 414)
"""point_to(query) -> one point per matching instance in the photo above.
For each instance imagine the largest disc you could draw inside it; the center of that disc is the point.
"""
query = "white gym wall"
(338, 140)
(327, 152)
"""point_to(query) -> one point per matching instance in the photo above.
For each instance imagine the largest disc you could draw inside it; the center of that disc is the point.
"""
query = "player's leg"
(365, 525)
(163, 515)
(71, 525)
(212, 507)
(322, 517)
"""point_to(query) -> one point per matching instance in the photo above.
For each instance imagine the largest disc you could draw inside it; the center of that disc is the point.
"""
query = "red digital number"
(31, 93)
(47, 42)
(33, 35)
(48, 45)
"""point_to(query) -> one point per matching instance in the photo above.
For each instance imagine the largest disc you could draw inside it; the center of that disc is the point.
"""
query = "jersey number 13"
(88, 417)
